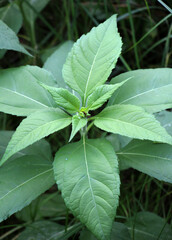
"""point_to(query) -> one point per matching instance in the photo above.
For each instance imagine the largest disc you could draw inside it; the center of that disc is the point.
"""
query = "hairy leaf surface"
(131, 121)
(77, 124)
(64, 98)
(38, 125)
(20, 93)
(151, 158)
(87, 174)
(92, 58)
(21, 181)
(149, 88)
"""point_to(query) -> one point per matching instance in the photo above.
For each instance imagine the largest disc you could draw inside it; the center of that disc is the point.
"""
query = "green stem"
(90, 125)
(67, 220)
(83, 131)
(10, 232)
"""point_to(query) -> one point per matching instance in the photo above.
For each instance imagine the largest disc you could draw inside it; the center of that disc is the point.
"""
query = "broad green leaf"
(42, 230)
(32, 7)
(9, 40)
(148, 88)
(87, 174)
(55, 62)
(5, 137)
(40, 148)
(77, 123)
(92, 58)
(52, 205)
(85, 235)
(47, 230)
(119, 142)
(131, 121)
(7, 14)
(64, 98)
(147, 225)
(72, 230)
(41, 75)
(46, 53)
(101, 94)
(21, 181)
(46, 205)
(119, 232)
(165, 118)
(38, 125)
(151, 158)
(20, 93)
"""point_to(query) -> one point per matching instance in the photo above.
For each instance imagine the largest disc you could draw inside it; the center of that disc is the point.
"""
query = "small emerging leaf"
(64, 98)
(77, 123)
(38, 125)
(131, 121)
(101, 94)
(87, 174)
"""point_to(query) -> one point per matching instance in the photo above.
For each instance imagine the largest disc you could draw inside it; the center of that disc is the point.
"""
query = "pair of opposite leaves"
(88, 66)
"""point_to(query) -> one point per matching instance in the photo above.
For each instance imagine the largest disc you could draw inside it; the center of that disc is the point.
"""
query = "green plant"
(86, 171)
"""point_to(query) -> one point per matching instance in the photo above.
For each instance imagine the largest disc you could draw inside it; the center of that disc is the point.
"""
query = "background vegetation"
(146, 31)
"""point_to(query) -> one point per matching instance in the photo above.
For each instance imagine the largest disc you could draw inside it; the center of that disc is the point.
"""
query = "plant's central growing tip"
(83, 112)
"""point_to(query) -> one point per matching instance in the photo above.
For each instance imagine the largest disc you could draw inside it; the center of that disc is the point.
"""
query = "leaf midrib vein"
(27, 181)
(31, 132)
(88, 175)
(111, 119)
(17, 93)
(90, 72)
(146, 233)
(151, 90)
(141, 154)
